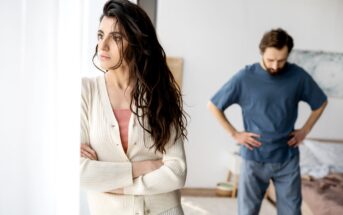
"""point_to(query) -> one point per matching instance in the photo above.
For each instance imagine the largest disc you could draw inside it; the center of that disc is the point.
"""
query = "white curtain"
(40, 67)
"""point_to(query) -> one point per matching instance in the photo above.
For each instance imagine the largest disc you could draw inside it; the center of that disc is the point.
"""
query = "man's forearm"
(220, 116)
(313, 118)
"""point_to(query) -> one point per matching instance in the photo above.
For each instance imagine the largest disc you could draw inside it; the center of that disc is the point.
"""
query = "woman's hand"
(140, 168)
(87, 152)
(119, 191)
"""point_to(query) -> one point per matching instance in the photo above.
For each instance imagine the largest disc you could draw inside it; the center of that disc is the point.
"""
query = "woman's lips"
(104, 57)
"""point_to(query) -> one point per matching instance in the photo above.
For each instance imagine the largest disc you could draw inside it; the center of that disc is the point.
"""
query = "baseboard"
(199, 192)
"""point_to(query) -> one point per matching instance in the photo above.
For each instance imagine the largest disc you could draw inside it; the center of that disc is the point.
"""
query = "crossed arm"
(139, 168)
(147, 177)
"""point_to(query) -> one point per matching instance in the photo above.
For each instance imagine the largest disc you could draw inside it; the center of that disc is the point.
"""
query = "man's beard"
(272, 71)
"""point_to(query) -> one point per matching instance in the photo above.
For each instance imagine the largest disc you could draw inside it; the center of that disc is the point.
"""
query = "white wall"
(91, 15)
(216, 38)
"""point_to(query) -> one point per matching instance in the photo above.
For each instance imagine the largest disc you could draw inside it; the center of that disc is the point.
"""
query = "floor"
(218, 206)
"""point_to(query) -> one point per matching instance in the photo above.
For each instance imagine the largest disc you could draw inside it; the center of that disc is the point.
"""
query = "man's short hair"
(276, 38)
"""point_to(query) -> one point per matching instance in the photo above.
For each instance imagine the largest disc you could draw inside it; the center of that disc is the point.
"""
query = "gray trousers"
(254, 180)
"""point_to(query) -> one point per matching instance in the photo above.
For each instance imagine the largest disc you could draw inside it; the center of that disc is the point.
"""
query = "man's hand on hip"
(297, 137)
(247, 139)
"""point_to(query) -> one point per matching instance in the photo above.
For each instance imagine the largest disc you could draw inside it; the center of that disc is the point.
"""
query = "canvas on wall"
(326, 68)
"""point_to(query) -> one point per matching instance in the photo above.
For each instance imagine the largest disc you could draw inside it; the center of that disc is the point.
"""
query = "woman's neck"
(119, 88)
(119, 78)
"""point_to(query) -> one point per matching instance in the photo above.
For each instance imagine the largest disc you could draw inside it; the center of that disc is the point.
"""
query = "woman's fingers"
(159, 163)
(88, 152)
(87, 148)
(143, 167)
(155, 164)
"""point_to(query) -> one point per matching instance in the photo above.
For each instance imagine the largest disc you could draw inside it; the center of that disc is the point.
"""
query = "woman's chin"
(105, 67)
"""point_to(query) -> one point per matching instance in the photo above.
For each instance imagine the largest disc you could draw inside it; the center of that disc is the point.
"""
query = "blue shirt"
(270, 106)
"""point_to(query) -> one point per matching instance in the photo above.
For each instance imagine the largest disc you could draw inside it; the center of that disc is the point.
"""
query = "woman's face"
(111, 43)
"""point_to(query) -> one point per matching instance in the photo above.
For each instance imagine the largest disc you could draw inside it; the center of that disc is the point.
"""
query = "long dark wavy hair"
(155, 98)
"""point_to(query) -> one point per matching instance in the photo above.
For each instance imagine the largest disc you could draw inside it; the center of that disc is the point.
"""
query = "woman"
(132, 122)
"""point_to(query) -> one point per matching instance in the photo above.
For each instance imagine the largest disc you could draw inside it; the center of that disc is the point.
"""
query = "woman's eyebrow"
(116, 33)
(113, 33)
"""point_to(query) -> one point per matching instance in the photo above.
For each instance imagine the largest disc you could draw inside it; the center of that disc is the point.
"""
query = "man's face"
(274, 59)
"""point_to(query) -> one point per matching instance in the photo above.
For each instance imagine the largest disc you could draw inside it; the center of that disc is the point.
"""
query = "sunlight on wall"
(40, 88)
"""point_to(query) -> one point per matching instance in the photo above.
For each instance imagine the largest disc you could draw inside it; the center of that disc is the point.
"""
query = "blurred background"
(47, 45)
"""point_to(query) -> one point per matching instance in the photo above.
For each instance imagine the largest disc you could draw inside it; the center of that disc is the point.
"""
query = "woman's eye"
(117, 38)
(99, 36)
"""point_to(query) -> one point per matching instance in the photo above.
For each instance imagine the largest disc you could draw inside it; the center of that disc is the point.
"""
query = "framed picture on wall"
(175, 64)
(326, 68)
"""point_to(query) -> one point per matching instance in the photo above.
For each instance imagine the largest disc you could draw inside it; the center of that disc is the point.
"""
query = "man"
(268, 93)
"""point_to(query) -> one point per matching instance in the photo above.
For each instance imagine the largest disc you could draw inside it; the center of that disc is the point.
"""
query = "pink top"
(123, 118)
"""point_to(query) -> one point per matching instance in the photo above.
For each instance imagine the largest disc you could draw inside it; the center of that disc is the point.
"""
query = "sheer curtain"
(40, 67)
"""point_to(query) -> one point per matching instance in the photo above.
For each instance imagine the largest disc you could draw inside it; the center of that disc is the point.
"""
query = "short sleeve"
(228, 94)
(311, 93)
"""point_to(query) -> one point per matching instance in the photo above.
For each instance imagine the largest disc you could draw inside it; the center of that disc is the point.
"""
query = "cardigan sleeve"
(99, 175)
(169, 177)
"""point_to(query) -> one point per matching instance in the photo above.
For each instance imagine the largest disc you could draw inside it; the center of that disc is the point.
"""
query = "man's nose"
(275, 65)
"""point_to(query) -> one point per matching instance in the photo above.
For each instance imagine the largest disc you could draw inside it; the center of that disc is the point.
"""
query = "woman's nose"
(103, 44)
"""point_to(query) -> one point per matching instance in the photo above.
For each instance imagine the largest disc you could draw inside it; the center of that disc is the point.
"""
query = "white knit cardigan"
(154, 193)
